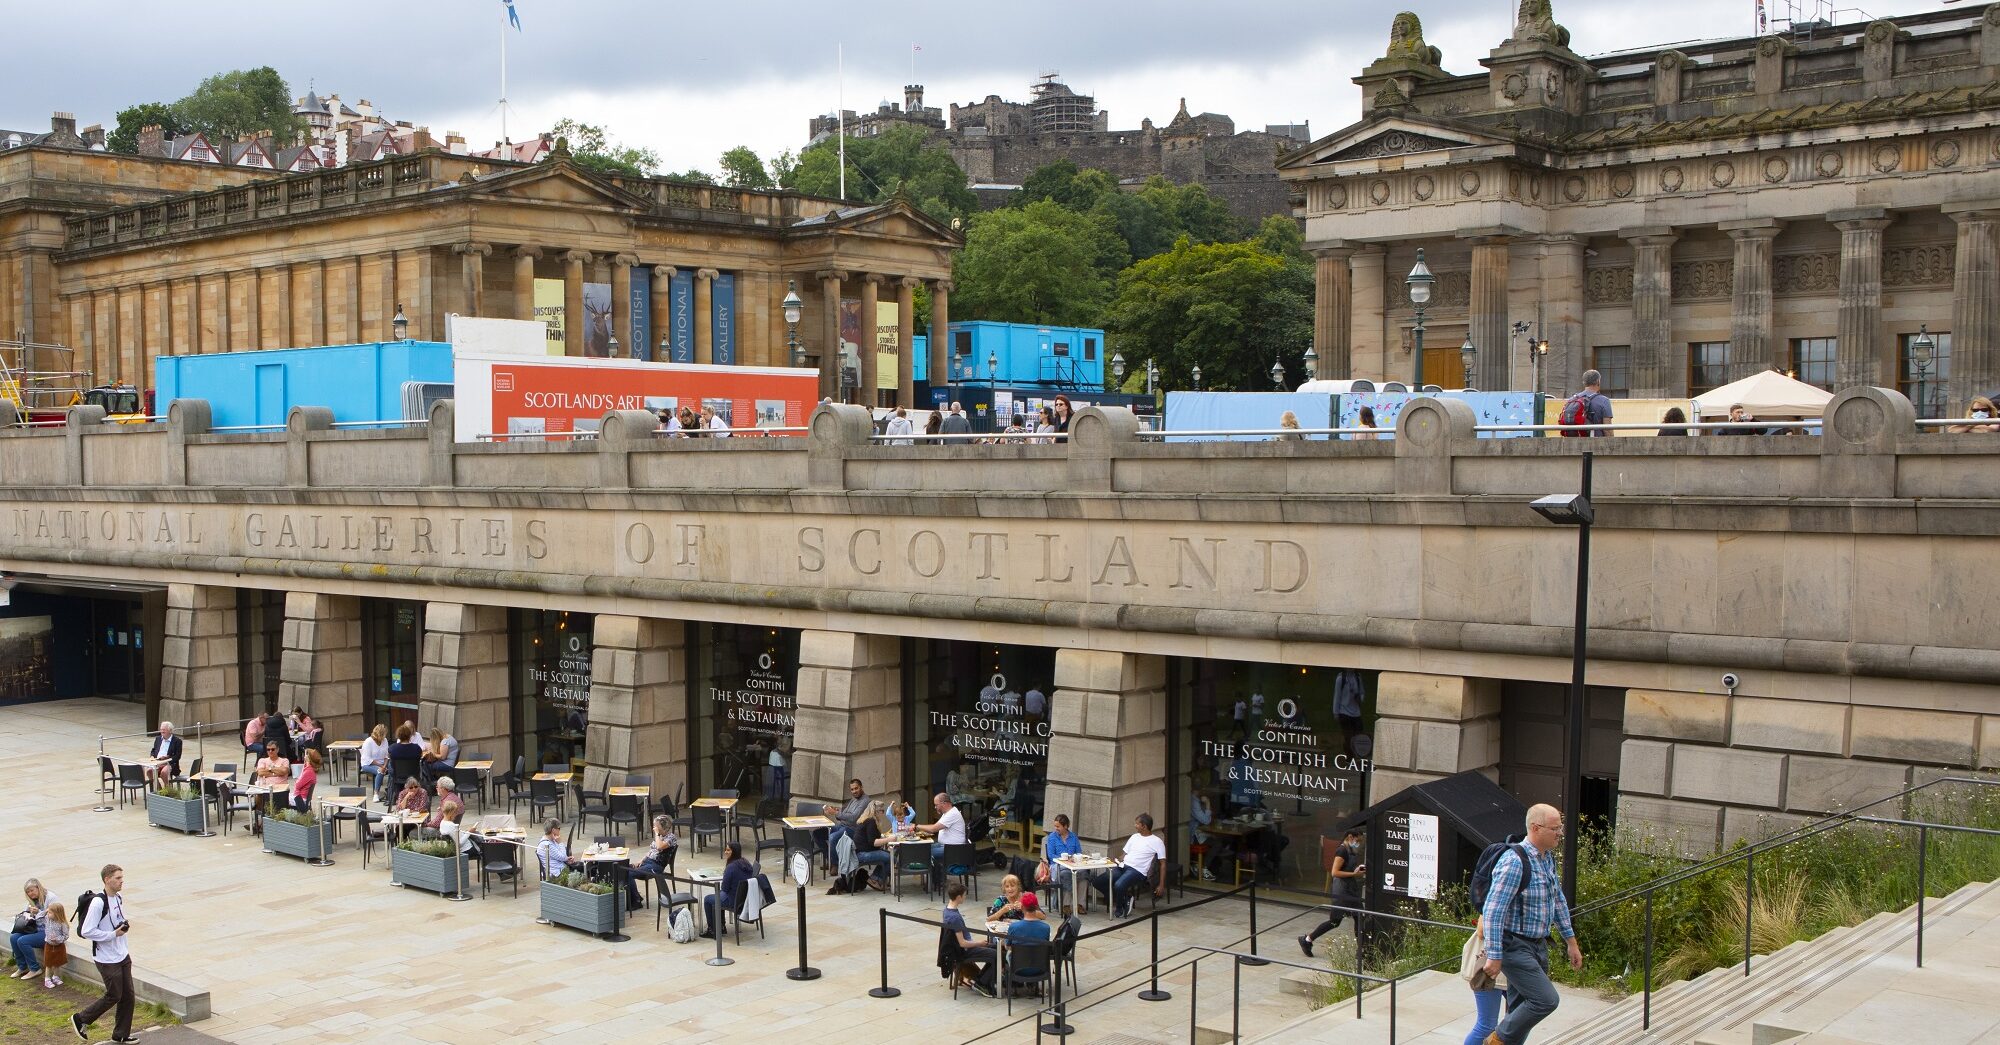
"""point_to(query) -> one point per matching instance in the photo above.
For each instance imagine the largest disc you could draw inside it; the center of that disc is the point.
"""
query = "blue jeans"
(24, 949)
(1487, 1003)
(876, 862)
(379, 776)
(1126, 887)
(1530, 995)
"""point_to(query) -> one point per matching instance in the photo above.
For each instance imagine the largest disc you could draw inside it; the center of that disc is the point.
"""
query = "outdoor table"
(810, 823)
(560, 778)
(618, 861)
(481, 764)
(1079, 866)
(728, 807)
(643, 793)
(340, 750)
(713, 880)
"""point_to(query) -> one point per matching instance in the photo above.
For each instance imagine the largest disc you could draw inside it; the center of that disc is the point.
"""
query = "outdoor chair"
(763, 843)
(107, 775)
(213, 791)
(960, 862)
(910, 858)
(514, 781)
(656, 881)
(237, 801)
(644, 780)
(1063, 948)
(345, 814)
(402, 769)
(668, 898)
(589, 804)
(472, 781)
(750, 909)
(498, 858)
(799, 840)
(1026, 965)
(707, 823)
(544, 794)
(131, 781)
(625, 809)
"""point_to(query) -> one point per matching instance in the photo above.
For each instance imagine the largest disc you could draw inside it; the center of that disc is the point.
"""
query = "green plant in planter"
(178, 792)
(441, 848)
(581, 882)
(293, 816)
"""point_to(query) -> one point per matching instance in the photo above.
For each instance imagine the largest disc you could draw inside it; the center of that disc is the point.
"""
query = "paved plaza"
(294, 953)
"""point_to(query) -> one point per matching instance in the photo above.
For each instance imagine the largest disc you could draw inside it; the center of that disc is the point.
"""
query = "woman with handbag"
(27, 934)
(1487, 989)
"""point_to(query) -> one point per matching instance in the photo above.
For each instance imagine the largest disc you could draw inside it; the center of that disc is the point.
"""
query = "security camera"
(1730, 682)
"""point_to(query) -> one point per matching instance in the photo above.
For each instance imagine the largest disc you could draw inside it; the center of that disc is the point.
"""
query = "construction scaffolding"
(41, 380)
(1059, 109)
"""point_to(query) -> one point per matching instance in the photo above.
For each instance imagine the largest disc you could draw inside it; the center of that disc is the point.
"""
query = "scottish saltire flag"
(513, 16)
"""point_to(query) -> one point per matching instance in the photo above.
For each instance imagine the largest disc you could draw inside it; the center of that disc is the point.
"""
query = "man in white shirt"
(717, 427)
(104, 925)
(949, 829)
(1143, 851)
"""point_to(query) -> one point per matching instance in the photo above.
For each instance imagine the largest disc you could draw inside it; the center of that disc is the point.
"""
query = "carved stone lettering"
(639, 543)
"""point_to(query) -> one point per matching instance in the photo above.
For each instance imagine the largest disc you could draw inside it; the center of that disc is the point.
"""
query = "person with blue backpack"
(1523, 902)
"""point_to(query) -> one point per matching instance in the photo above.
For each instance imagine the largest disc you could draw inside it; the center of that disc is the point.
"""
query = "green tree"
(592, 148)
(238, 103)
(785, 169)
(125, 137)
(898, 162)
(1155, 217)
(1231, 308)
(742, 169)
(1037, 264)
(693, 174)
(1062, 183)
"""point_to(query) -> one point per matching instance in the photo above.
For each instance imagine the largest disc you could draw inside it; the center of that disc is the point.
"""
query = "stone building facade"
(129, 258)
(1675, 217)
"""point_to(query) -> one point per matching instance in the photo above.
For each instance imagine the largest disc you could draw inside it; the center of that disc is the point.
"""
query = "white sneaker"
(48, 983)
(1207, 875)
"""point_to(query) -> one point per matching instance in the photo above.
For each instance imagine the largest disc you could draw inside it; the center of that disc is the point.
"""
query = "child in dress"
(55, 949)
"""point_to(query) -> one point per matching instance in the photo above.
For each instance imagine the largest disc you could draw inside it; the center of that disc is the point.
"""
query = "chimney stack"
(93, 136)
(63, 124)
(152, 142)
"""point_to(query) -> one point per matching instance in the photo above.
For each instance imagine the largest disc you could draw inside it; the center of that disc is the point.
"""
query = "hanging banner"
(680, 317)
(722, 319)
(597, 320)
(850, 344)
(888, 336)
(549, 310)
(640, 343)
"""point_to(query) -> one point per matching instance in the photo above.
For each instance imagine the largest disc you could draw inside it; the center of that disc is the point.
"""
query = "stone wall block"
(1751, 778)
(1101, 713)
(1689, 830)
(1384, 783)
(810, 690)
(614, 631)
(1087, 761)
(446, 617)
(832, 649)
(1825, 785)
(1395, 743)
(1140, 759)
(1938, 737)
(1698, 717)
(612, 666)
(1102, 671)
(1755, 825)
(1789, 725)
(819, 729)
(1437, 746)
(612, 705)
(1442, 698)
(839, 689)
(1066, 713)
(1645, 767)
(1989, 741)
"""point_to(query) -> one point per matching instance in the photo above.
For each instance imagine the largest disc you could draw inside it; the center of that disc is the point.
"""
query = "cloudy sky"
(690, 80)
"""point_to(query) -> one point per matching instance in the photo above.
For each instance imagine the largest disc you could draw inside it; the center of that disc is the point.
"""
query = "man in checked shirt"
(1523, 903)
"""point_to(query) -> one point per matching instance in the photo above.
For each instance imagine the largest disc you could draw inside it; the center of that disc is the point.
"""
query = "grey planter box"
(177, 813)
(306, 843)
(594, 913)
(435, 873)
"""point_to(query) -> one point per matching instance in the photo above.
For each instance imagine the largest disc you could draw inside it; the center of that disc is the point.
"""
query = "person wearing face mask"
(1981, 409)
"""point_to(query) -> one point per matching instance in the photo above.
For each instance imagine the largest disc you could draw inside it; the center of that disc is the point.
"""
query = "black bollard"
(1153, 992)
(884, 991)
(804, 971)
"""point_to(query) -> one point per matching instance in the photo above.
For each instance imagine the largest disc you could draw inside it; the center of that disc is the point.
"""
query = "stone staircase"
(1796, 993)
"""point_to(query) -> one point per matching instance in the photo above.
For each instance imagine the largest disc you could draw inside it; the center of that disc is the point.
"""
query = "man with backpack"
(1588, 407)
(1523, 902)
(101, 920)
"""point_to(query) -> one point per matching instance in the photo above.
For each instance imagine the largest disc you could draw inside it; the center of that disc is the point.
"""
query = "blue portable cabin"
(377, 381)
(1027, 355)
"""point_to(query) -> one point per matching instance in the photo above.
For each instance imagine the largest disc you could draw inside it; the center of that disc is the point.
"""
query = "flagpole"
(840, 107)
(504, 140)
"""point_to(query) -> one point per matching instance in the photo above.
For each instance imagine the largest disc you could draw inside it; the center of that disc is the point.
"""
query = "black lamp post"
(1197, 377)
(1278, 373)
(1469, 357)
(1420, 282)
(1922, 350)
(1574, 510)
(1118, 370)
(1312, 364)
(1538, 354)
(401, 324)
(992, 369)
(793, 306)
(1152, 375)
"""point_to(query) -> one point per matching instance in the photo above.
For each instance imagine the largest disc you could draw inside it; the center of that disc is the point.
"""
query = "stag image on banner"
(597, 320)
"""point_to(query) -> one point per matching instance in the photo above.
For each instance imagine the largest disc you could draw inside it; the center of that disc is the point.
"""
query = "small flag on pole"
(1760, 18)
(514, 17)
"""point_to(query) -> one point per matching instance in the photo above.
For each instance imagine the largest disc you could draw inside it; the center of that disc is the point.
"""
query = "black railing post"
(1154, 993)
(1194, 995)
(1392, 1011)
(1253, 959)
(1749, 903)
(1646, 1003)
(1236, 1001)
(884, 991)
(1923, 850)
(1357, 969)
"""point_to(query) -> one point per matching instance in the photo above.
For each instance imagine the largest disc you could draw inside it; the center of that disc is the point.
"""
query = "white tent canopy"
(1766, 395)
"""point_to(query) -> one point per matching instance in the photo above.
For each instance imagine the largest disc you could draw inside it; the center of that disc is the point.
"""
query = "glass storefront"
(392, 662)
(977, 728)
(1279, 754)
(260, 648)
(746, 677)
(549, 680)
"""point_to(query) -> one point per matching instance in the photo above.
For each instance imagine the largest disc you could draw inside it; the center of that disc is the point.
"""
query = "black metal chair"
(739, 917)
(1064, 947)
(368, 829)
(644, 780)
(514, 780)
(910, 858)
(961, 862)
(402, 769)
(544, 794)
(213, 791)
(762, 843)
(107, 775)
(725, 792)
(346, 813)
(472, 781)
(499, 858)
(707, 822)
(236, 801)
(799, 840)
(625, 809)
(131, 780)
(1026, 965)
(669, 899)
(656, 881)
(195, 771)
(589, 804)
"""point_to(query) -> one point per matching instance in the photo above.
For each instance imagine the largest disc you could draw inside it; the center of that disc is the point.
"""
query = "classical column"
(704, 315)
(906, 342)
(198, 654)
(663, 304)
(621, 301)
(1432, 726)
(1107, 741)
(829, 352)
(940, 346)
(524, 281)
(1752, 348)
(849, 718)
(416, 292)
(278, 325)
(472, 276)
(1333, 311)
(1858, 353)
(308, 311)
(1562, 315)
(183, 307)
(753, 319)
(1486, 313)
(1975, 307)
(159, 302)
(871, 297)
(464, 689)
(1367, 339)
(1659, 368)
(639, 700)
(247, 326)
(350, 299)
(573, 263)
(123, 306)
(320, 670)
(384, 287)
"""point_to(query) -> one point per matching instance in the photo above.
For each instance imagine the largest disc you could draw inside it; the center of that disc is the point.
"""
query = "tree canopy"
(125, 137)
(878, 168)
(742, 169)
(592, 148)
(1037, 264)
(236, 104)
(1231, 308)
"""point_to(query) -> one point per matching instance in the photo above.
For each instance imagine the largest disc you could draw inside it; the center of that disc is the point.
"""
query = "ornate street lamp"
(1312, 364)
(793, 306)
(611, 349)
(1469, 356)
(1922, 351)
(1118, 368)
(992, 368)
(1197, 377)
(1420, 282)
(401, 324)
(1278, 374)
(1152, 375)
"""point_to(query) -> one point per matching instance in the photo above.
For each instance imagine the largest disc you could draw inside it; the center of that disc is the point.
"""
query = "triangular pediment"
(560, 182)
(1388, 136)
(895, 219)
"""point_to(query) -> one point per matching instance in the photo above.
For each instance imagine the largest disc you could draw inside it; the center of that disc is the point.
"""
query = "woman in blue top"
(1059, 842)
